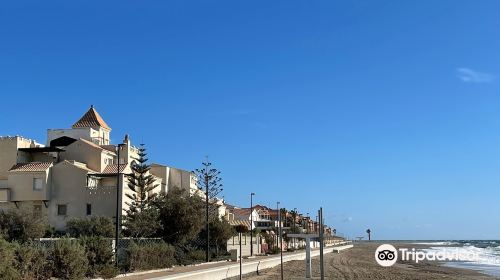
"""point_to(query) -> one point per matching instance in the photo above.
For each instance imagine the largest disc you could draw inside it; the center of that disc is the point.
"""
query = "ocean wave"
(437, 243)
(486, 254)
(482, 256)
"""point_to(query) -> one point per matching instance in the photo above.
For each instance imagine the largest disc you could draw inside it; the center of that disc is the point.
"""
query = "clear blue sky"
(386, 113)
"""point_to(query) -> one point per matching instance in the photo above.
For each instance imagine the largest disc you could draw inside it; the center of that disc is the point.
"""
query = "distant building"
(263, 217)
(74, 174)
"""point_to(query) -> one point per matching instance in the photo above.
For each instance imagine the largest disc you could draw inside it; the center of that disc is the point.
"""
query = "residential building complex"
(75, 173)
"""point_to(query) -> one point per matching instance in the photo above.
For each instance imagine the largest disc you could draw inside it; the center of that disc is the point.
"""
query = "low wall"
(233, 244)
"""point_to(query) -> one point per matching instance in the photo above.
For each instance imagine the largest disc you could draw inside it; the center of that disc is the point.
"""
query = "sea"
(481, 255)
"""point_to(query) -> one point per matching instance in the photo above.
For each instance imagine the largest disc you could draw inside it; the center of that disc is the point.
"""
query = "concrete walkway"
(223, 270)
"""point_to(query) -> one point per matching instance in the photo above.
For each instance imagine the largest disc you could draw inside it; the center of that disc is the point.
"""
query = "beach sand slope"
(359, 263)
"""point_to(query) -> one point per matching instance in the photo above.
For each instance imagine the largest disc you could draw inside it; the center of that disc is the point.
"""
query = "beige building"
(75, 173)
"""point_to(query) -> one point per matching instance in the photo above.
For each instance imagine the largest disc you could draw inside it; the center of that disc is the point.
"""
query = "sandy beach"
(359, 263)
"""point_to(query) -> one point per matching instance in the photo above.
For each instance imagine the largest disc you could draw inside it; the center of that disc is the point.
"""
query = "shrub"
(68, 259)
(20, 225)
(188, 254)
(32, 262)
(95, 226)
(142, 223)
(8, 260)
(268, 238)
(220, 232)
(181, 255)
(150, 256)
(274, 250)
(181, 216)
(99, 256)
(197, 255)
(109, 271)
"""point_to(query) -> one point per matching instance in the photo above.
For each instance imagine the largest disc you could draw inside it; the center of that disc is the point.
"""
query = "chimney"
(126, 140)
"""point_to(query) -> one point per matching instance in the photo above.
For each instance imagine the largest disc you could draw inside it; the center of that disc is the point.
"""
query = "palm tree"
(369, 234)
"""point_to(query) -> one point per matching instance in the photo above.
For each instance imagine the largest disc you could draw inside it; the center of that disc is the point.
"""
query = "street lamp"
(307, 222)
(316, 225)
(251, 224)
(280, 237)
(295, 217)
(118, 214)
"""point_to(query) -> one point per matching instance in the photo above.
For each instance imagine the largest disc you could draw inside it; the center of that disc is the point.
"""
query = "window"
(37, 210)
(62, 209)
(92, 182)
(37, 184)
(89, 209)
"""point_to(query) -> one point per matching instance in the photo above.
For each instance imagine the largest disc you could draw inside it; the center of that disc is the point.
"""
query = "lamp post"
(307, 221)
(280, 237)
(251, 223)
(117, 218)
(321, 242)
(295, 216)
(294, 226)
(316, 226)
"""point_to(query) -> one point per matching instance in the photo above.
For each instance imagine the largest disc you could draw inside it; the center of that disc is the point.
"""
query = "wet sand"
(359, 263)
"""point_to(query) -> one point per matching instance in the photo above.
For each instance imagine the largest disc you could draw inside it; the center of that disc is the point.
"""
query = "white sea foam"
(486, 260)
(437, 243)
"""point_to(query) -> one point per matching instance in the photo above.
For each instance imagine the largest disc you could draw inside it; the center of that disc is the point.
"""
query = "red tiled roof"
(262, 207)
(91, 119)
(242, 212)
(31, 167)
(111, 168)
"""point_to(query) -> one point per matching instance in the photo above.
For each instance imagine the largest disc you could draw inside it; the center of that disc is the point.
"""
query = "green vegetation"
(99, 257)
(220, 231)
(94, 226)
(69, 259)
(141, 219)
(150, 256)
(32, 263)
(175, 220)
(21, 226)
(180, 216)
(8, 260)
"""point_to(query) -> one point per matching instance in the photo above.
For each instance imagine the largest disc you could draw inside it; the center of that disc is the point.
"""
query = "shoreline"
(359, 263)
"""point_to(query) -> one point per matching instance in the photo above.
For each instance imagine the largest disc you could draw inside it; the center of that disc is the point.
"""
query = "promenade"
(223, 270)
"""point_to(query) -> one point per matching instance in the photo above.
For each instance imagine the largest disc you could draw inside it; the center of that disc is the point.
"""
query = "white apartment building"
(75, 173)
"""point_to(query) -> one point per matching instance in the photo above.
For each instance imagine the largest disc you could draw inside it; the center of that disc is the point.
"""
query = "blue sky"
(386, 113)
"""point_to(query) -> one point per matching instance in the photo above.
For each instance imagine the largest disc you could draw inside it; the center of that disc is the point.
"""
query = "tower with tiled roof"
(92, 119)
(91, 126)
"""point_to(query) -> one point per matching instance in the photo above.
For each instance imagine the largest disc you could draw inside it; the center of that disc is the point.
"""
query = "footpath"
(226, 269)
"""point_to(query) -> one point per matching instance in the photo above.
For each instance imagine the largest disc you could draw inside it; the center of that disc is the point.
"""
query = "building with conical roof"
(91, 126)
(91, 119)
(75, 174)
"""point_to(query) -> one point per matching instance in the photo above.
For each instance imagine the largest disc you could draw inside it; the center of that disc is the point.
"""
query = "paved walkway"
(205, 266)
(192, 268)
